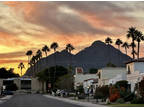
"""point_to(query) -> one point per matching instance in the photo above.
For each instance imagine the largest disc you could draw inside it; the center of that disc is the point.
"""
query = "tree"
(133, 45)
(65, 82)
(21, 66)
(29, 53)
(45, 49)
(4, 73)
(139, 38)
(69, 48)
(108, 41)
(93, 71)
(126, 46)
(42, 78)
(39, 54)
(118, 43)
(131, 33)
(110, 65)
(54, 46)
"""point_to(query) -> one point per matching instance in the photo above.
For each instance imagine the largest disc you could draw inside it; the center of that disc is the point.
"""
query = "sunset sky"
(31, 25)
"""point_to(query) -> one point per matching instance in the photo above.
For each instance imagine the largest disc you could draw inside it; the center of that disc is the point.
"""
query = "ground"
(34, 100)
(126, 105)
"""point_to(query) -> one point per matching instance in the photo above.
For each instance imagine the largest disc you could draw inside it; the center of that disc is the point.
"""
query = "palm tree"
(54, 46)
(21, 66)
(132, 34)
(39, 54)
(45, 49)
(32, 63)
(69, 48)
(118, 43)
(133, 45)
(126, 46)
(29, 53)
(108, 41)
(139, 38)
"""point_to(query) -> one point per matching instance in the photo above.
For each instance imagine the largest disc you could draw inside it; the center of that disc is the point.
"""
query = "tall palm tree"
(133, 45)
(45, 49)
(108, 41)
(118, 43)
(54, 46)
(32, 63)
(39, 54)
(69, 48)
(139, 38)
(126, 46)
(131, 33)
(21, 66)
(29, 53)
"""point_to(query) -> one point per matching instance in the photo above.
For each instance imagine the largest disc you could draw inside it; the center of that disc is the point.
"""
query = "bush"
(98, 95)
(81, 96)
(120, 101)
(122, 83)
(137, 101)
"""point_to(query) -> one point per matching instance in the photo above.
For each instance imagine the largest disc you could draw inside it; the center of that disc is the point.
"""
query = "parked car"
(6, 92)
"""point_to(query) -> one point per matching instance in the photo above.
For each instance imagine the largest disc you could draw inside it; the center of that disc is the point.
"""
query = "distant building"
(23, 83)
(108, 73)
(80, 77)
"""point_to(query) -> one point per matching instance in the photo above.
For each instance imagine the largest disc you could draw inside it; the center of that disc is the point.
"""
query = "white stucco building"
(108, 73)
(135, 72)
(80, 77)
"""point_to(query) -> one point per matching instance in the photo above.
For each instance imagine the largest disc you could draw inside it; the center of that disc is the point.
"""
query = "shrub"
(137, 101)
(122, 83)
(98, 95)
(81, 96)
(120, 101)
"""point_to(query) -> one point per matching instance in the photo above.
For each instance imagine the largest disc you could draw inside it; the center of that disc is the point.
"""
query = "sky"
(31, 25)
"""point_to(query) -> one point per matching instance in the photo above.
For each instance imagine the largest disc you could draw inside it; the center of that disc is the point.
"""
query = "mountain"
(97, 55)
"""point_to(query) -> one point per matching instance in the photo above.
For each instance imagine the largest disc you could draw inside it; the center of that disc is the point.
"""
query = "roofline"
(137, 60)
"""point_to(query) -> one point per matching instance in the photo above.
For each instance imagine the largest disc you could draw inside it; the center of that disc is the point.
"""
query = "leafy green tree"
(110, 65)
(42, 78)
(4, 73)
(93, 71)
(65, 82)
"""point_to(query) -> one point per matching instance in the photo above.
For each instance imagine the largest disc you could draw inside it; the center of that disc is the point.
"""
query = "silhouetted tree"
(118, 43)
(139, 38)
(126, 46)
(45, 49)
(108, 41)
(29, 53)
(54, 46)
(21, 66)
(69, 48)
(131, 33)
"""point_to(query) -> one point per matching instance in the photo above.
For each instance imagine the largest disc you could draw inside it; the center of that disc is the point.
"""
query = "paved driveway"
(35, 100)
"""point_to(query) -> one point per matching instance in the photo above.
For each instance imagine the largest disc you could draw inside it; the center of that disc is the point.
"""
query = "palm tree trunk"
(126, 50)
(133, 50)
(138, 50)
(21, 71)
